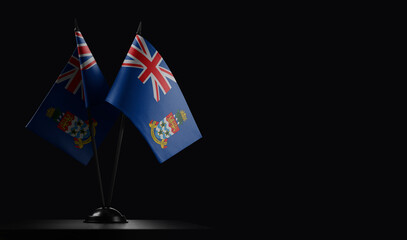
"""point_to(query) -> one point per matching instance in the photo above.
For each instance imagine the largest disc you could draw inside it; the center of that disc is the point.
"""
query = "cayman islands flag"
(62, 117)
(146, 91)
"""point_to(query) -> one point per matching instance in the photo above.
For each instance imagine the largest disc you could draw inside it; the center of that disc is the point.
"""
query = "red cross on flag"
(148, 59)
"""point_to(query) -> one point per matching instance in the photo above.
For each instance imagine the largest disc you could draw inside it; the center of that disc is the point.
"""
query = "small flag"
(146, 91)
(62, 117)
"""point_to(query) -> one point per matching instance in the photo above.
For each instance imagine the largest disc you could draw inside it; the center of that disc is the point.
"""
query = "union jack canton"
(71, 74)
(143, 55)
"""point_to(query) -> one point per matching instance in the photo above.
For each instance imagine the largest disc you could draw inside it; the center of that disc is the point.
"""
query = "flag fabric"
(94, 84)
(62, 117)
(146, 91)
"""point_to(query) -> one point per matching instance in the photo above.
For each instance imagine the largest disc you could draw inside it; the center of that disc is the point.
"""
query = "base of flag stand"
(106, 215)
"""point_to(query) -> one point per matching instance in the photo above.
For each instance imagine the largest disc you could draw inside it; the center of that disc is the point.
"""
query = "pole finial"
(139, 29)
(76, 25)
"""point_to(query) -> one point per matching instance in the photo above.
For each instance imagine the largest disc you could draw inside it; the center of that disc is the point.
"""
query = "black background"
(271, 88)
(212, 182)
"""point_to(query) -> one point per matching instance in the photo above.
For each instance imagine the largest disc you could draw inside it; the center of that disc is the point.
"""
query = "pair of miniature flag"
(145, 91)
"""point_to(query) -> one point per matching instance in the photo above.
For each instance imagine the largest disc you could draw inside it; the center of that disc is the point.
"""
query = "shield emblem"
(168, 126)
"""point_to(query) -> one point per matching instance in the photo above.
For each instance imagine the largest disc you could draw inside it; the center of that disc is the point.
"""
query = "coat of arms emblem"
(168, 126)
(72, 125)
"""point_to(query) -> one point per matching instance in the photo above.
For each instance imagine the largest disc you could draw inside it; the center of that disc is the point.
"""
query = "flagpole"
(104, 214)
(119, 145)
(92, 135)
(95, 152)
(116, 160)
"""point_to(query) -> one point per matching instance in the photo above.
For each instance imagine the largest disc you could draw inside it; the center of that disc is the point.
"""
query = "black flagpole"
(104, 214)
(116, 160)
(119, 145)
(95, 152)
(92, 135)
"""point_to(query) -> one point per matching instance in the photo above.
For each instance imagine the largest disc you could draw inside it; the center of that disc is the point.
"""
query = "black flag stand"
(104, 214)
(109, 214)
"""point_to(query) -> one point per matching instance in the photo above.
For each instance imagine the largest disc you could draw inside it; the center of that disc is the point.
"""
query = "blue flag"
(62, 117)
(147, 93)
